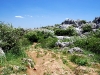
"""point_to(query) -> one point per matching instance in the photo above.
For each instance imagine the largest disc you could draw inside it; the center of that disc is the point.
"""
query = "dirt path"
(49, 63)
(46, 63)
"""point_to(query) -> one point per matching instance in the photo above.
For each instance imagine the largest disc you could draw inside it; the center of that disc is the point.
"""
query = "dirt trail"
(49, 63)
(46, 63)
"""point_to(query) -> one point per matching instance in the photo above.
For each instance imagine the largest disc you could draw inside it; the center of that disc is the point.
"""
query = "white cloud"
(19, 17)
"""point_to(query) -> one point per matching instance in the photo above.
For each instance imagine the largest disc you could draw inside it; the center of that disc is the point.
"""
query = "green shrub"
(70, 31)
(48, 42)
(96, 34)
(10, 38)
(36, 35)
(90, 43)
(87, 28)
(32, 36)
(24, 42)
(79, 60)
(59, 32)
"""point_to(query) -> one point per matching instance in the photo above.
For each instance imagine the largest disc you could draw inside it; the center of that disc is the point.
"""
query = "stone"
(30, 63)
(63, 44)
(66, 37)
(75, 49)
(90, 55)
(86, 33)
(79, 31)
(94, 30)
(15, 68)
(2, 54)
(70, 51)
(64, 26)
(60, 37)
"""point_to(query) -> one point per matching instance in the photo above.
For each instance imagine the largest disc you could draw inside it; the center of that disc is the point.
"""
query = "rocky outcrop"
(75, 49)
(63, 44)
(96, 20)
(79, 24)
(73, 22)
(68, 21)
(62, 37)
(64, 26)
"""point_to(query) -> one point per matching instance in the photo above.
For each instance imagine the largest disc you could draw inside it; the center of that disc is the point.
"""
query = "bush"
(45, 33)
(10, 38)
(36, 35)
(70, 31)
(48, 42)
(90, 43)
(96, 34)
(79, 60)
(87, 28)
(32, 36)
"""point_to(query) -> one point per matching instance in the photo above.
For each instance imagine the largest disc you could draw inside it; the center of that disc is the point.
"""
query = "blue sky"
(37, 13)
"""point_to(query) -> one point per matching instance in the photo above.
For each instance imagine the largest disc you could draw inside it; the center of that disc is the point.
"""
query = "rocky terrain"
(69, 48)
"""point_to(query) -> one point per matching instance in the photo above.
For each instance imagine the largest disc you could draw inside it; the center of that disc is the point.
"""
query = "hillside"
(69, 48)
(56, 63)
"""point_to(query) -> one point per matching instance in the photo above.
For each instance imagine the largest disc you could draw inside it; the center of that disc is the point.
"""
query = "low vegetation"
(70, 31)
(15, 42)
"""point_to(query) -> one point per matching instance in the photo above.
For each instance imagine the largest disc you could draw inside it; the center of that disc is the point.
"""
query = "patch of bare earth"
(49, 63)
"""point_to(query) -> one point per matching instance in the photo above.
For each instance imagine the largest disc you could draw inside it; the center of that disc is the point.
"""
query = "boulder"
(75, 49)
(63, 44)
(94, 30)
(79, 31)
(2, 54)
(70, 51)
(86, 33)
(60, 37)
(78, 22)
(66, 37)
(91, 55)
(64, 26)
